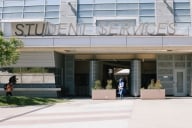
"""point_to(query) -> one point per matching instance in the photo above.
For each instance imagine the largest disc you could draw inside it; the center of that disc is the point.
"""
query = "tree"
(9, 50)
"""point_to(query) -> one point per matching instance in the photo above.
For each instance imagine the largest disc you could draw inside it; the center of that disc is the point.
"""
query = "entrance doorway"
(180, 83)
(108, 70)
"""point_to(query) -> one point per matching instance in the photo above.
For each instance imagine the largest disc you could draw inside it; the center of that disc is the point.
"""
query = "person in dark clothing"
(13, 79)
(9, 86)
(8, 89)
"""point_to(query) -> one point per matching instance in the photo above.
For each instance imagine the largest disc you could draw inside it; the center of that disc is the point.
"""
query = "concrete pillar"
(94, 73)
(135, 77)
(69, 74)
(68, 17)
(164, 11)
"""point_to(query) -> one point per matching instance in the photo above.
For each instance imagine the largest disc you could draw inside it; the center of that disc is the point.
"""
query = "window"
(127, 13)
(147, 12)
(12, 15)
(86, 1)
(104, 7)
(34, 15)
(53, 2)
(85, 20)
(148, 19)
(182, 13)
(52, 8)
(104, 1)
(52, 15)
(83, 7)
(12, 9)
(147, 6)
(127, 6)
(85, 14)
(34, 2)
(127, 1)
(104, 13)
(140, 9)
(8, 3)
(34, 9)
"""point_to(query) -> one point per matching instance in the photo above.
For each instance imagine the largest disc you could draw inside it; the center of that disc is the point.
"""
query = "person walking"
(121, 87)
(8, 89)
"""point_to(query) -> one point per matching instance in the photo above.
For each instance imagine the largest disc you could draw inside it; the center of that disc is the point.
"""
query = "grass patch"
(24, 101)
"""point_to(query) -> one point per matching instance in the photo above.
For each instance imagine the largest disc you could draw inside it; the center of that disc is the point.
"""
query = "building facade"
(71, 43)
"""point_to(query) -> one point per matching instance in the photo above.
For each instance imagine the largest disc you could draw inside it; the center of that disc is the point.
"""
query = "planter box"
(104, 94)
(152, 93)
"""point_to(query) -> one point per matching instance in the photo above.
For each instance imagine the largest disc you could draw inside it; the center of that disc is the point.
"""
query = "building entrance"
(113, 70)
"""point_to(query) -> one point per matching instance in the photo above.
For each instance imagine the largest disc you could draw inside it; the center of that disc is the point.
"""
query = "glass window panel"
(85, 7)
(33, 15)
(182, 12)
(127, 6)
(105, 1)
(147, 1)
(34, 9)
(52, 20)
(182, 19)
(85, 20)
(104, 13)
(147, 19)
(147, 6)
(147, 12)
(1, 9)
(12, 15)
(1, 3)
(13, 3)
(127, 13)
(85, 14)
(34, 2)
(86, 1)
(52, 15)
(105, 7)
(182, 5)
(52, 8)
(180, 82)
(180, 57)
(12, 9)
(182, 25)
(127, 1)
(181, 0)
(165, 57)
(53, 2)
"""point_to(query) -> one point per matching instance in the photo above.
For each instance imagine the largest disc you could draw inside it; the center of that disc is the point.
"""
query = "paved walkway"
(87, 113)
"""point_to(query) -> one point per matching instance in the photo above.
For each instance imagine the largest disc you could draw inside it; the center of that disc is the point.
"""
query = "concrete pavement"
(87, 113)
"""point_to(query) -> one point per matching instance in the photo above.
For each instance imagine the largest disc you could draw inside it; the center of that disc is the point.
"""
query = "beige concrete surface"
(88, 113)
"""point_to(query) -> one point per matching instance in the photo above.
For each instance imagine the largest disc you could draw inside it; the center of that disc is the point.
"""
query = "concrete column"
(68, 17)
(69, 74)
(94, 73)
(135, 77)
(164, 11)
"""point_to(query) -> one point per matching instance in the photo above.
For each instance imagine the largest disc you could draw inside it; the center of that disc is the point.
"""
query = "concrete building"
(71, 43)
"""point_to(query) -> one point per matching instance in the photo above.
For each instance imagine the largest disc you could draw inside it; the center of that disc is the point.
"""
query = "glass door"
(179, 83)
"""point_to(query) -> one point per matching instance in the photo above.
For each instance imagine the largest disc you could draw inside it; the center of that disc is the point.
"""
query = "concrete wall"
(164, 11)
(68, 12)
(35, 59)
(105, 41)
